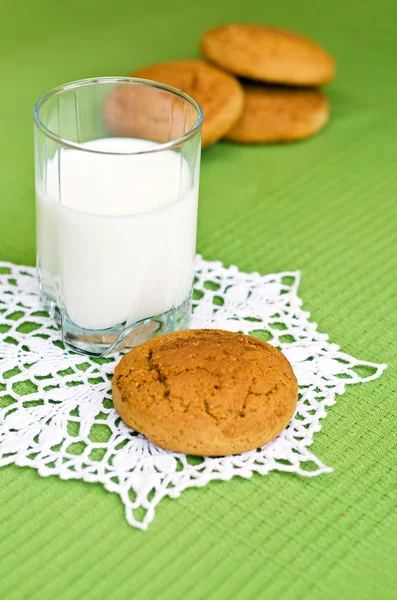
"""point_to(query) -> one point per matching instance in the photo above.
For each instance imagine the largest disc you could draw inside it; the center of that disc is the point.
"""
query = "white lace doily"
(56, 412)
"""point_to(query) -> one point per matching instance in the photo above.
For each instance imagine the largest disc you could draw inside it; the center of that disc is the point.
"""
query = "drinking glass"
(117, 164)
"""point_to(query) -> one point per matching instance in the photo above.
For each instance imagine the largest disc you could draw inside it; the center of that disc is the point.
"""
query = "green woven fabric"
(326, 206)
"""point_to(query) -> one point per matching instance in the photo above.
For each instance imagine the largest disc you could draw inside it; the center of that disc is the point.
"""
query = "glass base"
(101, 343)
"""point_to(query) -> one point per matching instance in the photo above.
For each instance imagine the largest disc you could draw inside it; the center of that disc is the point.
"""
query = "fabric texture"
(326, 206)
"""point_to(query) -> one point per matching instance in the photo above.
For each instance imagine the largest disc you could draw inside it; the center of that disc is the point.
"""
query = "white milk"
(117, 244)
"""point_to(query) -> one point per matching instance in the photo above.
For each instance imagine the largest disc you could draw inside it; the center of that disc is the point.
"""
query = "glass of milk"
(117, 163)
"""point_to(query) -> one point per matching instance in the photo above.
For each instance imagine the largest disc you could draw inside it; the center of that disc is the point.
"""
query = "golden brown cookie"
(268, 54)
(219, 94)
(205, 392)
(147, 112)
(278, 114)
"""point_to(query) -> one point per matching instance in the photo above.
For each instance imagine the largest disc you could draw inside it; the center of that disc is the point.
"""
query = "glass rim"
(114, 80)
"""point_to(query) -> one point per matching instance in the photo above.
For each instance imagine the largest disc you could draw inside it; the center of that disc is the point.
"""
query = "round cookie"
(148, 112)
(205, 392)
(268, 54)
(219, 94)
(277, 114)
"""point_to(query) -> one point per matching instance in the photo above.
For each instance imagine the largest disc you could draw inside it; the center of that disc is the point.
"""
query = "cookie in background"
(219, 94)
(281, 104)
(279, 114)
(268, 54)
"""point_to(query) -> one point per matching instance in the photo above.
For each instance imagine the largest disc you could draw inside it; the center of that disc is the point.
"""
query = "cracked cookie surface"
(205, 392)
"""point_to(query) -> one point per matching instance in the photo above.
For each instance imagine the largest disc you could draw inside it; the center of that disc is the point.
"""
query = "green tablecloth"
(327, 206)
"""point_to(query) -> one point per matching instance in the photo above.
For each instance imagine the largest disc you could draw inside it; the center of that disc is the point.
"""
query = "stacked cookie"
(219, 94)
(275, 109)
(277, 101)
